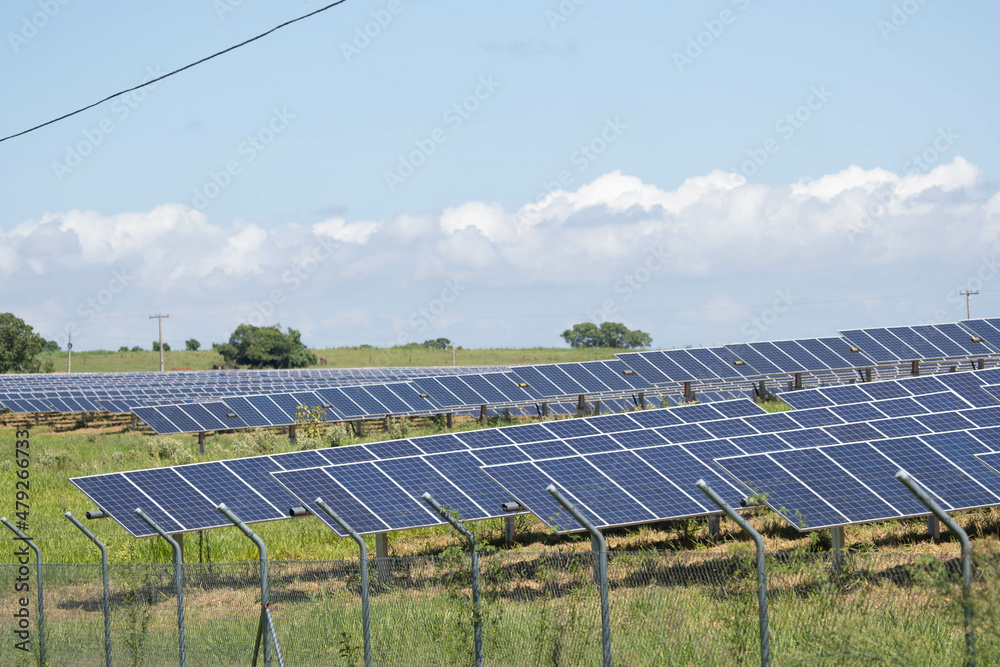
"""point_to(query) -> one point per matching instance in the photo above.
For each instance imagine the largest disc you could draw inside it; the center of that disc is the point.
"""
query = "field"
(677, 596)
(98, 361)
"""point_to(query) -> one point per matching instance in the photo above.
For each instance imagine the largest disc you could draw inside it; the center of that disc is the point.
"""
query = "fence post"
(477, 618)
(266, 625)
(970, 628)
(104, 575)
(363, 562)
(765, 644)
(178, 581)
(598, 541)
(38, 576)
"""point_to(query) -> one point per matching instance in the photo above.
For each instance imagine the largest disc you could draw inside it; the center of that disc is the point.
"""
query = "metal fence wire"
(537, 609)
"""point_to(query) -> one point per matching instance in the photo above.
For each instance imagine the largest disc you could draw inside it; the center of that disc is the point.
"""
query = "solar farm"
(810, 442)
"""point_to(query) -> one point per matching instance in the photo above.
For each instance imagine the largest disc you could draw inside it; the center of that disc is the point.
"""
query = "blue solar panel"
(178, 418)
(753, 358)
(853, 432)
(948, 421)
(487, 392)
(727, 428)
(901, 407)
(697, 413)
(614, 423)
(950, 347)
(923, 385)
(584, 378)
(636, 439)
(462, 470)
(770, 423)
(829, 481)
(249, 414)
(712, 361)
(603, 496)
(692, 368)
(571, 428)
(809, 437)
(156, 420)
(817, 348)
(684, 433)
(784, 361)
(606, 372)
(118, 497)
(256, 472)
(546, 450)
(960, 449)
(526, 483)
(295, 460)
(484, 438)
(388, 399)
(783, 491)
(806, 398)
(765, 442)
(220, 485)
(495, 455)
(869, 346)
(815, 417)
(884, 390)
(308, 485)
(345, 454)
(433, 444)
(983, 416)
(394, 449)
(169, 491)
(593, 443)
(923, 348)
(680, 466)
(268, 408)
(417, 477)
(653, 418)
(383, 497)
(941, 402)
(738, 408)
(898, 427)
(537, 381)
(857, 412)
(934, 472)
(969, 387)
(663, 498)
(845, 394)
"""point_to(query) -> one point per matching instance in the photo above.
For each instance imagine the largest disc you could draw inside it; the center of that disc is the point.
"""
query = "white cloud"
(715, 227)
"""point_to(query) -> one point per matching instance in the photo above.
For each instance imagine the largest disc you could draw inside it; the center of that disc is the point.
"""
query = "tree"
(191, 345)
(51, 346)
(19, 346)
(156, 346)
(609, 334)
(437, 344)
(265, 347)
(137, 348)
(123, 348)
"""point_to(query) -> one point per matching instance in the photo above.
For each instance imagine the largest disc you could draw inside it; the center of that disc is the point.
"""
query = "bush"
(254, 443)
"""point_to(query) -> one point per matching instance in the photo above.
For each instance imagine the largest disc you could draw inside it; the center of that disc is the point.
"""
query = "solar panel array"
(182, 498)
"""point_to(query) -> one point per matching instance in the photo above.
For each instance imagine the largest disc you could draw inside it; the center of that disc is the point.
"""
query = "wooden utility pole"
(968, 294)
(160, 318)
(69, 353)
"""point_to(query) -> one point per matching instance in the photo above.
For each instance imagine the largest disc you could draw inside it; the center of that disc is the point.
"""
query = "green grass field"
(341, 357)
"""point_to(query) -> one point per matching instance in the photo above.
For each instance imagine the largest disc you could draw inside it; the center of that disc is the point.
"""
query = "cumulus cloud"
(711, 226)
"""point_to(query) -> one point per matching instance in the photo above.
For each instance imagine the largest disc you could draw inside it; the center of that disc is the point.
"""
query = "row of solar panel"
(634, 479)
(695, 429)
(813, 484)
(856, 349)
(176, 497)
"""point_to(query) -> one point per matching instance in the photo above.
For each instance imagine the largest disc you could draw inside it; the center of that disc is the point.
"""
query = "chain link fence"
(538, 609)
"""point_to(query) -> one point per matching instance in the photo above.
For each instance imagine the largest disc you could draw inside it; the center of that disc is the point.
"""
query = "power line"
(176, 71)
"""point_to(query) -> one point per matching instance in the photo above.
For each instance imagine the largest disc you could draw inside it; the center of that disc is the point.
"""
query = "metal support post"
(477, 613)
(508, 530)
(642, 400)
(359, 428)
(133, 422)
(713, 526)
(765, 644)
(266, 625)
(545, 408)
(581, 404)
(963, 538)
(448, 418)
(687, 391)
(38, 580)
(933, 528)
(602, 558)
(104, 575)
(597, 407)
(291, 434)
(798, 380)
(363, 563)
(868, 375)
(482, 414)
(838, 545)
(915, 368)
(381, 556)
(201, 442)
(178, 580)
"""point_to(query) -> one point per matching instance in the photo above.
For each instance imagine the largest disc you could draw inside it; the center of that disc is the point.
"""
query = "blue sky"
(719, 171)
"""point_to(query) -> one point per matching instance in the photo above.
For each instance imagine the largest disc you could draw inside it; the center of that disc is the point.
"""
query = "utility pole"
(968, 294)
(452, 354)
(69, 353)
(160, 318)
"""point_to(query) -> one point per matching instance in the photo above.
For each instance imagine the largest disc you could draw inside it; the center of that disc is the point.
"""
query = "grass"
(100, 361)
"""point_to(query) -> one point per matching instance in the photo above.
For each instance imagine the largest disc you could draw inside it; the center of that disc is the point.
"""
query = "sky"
(494, 172)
